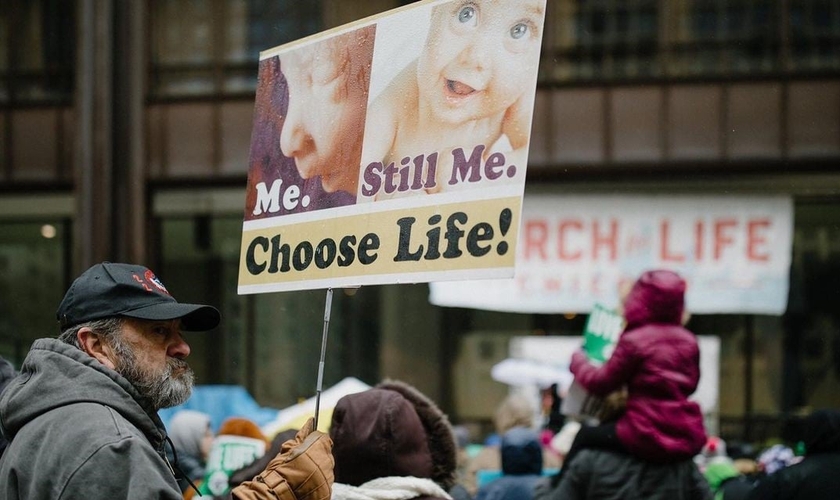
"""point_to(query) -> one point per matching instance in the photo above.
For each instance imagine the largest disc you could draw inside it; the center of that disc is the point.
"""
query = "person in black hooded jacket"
(815, 477)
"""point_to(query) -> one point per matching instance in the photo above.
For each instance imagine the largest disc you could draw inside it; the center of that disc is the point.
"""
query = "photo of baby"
(468, 93)
(309, 120)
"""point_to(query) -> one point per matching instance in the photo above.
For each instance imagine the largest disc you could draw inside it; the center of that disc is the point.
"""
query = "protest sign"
(600, 335)
(228, 454)
(392, 149)
(603, 327)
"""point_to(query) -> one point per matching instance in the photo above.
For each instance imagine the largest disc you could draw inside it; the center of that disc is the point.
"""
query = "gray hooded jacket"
(79, 430)
(7, 373)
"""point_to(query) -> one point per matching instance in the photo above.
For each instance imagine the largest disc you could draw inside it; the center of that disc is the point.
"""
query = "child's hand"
(578, 359)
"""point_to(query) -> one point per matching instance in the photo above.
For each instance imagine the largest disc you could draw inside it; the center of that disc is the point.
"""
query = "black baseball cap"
(109, 289)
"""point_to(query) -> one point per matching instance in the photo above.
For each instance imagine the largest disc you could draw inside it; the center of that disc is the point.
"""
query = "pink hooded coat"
(659, 362)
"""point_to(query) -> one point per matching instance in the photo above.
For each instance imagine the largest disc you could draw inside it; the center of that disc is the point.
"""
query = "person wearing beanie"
(392, 442)
(658, 361)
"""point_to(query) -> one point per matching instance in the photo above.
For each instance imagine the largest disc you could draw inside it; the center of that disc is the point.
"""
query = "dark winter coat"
(392, 431)
(816, 476)
(659, 362)
(606, 475)
(79, 430)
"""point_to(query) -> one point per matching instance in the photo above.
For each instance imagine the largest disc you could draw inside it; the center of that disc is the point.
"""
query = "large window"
(211, 47)
(36, 51)
(726, 37)
(613, 40)
(815, 34)
(601, 39)
(34, 261)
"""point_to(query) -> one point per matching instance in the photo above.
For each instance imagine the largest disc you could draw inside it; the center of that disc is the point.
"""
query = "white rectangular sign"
(393, 149)
(575, 251)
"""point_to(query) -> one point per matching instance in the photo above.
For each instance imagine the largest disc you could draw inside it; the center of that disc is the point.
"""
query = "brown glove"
(303, 470)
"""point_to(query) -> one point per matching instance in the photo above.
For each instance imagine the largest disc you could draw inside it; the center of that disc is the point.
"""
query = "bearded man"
(82, 417)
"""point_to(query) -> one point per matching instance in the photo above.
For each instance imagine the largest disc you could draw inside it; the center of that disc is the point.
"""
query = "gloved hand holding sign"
(303, 470)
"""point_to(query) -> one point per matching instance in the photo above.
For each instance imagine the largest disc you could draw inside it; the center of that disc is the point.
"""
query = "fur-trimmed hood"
(392, 430)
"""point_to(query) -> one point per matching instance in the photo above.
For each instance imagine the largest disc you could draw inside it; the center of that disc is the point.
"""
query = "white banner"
(575, 251)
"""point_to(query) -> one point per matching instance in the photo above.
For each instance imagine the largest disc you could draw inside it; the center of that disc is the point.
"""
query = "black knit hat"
(109, 290)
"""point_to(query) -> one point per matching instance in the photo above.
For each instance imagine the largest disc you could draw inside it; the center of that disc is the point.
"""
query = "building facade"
(124, 136)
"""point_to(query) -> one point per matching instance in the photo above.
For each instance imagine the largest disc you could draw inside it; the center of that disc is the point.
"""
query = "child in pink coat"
(658, 361)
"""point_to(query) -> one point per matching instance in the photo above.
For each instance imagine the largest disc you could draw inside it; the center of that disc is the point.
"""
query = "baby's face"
(327, 102)
(480, 57)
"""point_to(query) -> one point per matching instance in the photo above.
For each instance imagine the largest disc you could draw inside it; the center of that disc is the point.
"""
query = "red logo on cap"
(155, 281)
(149, 277)
(139, 280)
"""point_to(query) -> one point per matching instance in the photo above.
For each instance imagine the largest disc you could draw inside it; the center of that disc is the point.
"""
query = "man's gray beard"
(162, 389)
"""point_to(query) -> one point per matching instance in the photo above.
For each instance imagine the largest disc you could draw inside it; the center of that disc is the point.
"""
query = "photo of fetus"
(468, 95)
(308, 126)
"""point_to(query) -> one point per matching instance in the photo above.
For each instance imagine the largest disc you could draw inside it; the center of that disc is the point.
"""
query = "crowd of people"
(80, 421)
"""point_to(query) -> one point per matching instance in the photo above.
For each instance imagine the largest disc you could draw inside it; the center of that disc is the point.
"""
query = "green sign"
(601, 333)
(228, 454)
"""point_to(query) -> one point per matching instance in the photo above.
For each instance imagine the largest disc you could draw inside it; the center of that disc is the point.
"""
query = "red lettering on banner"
(610, 240)
(561, 240)
(552, 285)
(699, 232)
(722, 236)
(664, 253)
(636, 243)
(601, 239)
(754, 239)
(536, 237)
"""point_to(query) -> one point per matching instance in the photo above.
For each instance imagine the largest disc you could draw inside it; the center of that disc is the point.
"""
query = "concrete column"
(94, 140)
